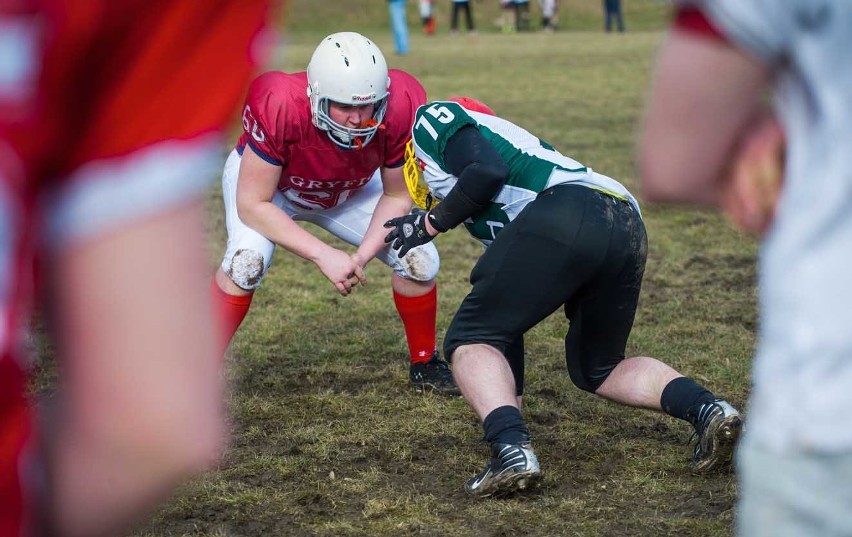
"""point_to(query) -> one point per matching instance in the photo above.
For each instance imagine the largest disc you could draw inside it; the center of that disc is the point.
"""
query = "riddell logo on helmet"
(364, 98)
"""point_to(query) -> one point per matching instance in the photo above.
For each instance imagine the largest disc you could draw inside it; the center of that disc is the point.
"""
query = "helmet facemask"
(348, 137)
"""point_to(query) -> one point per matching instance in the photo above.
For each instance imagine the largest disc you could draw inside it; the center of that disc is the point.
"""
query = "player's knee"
(421, 264)
(451, 350)
(246, 269)
(453, 339)
(590, 378)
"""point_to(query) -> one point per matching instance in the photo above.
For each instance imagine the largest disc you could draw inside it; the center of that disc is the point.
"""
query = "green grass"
(328, 438)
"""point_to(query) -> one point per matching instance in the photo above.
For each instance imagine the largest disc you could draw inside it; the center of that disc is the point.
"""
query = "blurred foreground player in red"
(110, 120)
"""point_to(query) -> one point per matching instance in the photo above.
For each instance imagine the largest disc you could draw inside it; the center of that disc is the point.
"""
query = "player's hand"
(359, 261)
(408, 232)
(756, 178)
(342, 270)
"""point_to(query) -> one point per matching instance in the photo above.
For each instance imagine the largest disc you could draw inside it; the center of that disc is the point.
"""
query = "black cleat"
(512, 467)
(434, 375)
(718, 426)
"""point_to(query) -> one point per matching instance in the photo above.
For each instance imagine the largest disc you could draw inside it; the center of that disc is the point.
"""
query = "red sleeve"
(691, 19)
(406, 95)
(264, 119)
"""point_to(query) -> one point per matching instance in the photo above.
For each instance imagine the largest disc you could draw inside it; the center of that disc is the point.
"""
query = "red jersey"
(316, 173)
(691, 19)
(116, 76)
(93, 81)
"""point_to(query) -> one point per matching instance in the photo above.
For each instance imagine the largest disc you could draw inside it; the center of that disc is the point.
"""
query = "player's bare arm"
(257, 185)
(183, 412)
(711, 92)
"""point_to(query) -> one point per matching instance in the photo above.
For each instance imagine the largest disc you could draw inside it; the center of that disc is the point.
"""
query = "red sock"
(418, 314)
(230, 312)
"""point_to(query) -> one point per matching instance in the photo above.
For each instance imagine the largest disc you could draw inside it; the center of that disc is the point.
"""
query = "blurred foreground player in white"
(110, 130)
(558, 235)
(780, 167)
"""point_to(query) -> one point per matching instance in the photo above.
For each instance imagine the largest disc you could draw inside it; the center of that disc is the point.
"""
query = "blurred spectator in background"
(548, 14)
(516, 16)
(751, 112)
(399, 26)
(461, 5)
(427, 16)
(111, 116)
(506, 20)
(612, 10)
(522, 15)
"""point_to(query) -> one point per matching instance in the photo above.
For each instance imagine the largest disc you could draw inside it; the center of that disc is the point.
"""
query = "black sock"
(505, 425)
(683, 396)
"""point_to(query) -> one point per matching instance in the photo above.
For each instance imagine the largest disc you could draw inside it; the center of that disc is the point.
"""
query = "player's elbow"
(199, 445)
(179, 453)
(481, 180)
(663, 175)
(667, 178)
(171, 436)
(655, 178)
(248, 209)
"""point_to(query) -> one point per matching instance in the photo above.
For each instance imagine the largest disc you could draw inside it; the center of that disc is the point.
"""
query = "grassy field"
(329, 440)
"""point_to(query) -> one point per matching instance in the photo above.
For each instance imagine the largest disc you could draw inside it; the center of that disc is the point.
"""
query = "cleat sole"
(722, 446)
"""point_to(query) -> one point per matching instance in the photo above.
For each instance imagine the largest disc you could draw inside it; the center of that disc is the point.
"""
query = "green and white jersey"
(534, 165)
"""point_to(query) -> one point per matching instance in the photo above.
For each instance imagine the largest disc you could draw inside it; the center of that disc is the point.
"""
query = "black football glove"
(408, 232)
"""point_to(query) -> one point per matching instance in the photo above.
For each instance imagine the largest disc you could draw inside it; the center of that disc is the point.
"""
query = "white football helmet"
(348, 68)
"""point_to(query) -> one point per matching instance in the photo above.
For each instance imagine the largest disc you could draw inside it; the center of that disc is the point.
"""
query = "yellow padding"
(413, 173)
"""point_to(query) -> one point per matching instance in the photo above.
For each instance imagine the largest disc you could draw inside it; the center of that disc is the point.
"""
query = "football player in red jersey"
(102, 181)
(327, 147)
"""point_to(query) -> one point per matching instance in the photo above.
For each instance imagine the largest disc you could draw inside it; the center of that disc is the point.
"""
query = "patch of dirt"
(609, 471)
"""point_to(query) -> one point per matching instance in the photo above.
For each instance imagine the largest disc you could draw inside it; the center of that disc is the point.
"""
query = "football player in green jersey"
(558, 234)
